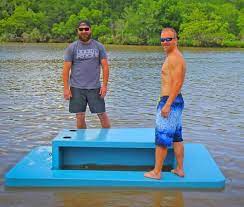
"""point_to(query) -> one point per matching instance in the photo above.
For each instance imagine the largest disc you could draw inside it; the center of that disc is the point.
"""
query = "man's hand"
(67, 94)
(165, 111)
(103, 91)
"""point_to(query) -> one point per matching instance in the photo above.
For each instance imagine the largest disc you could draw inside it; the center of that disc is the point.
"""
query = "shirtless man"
(169, 110)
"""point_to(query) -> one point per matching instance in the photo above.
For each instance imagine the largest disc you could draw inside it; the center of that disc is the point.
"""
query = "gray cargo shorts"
(81, 97)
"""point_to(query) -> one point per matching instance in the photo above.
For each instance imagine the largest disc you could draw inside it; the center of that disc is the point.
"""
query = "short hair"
(84, 22)
(170, 29)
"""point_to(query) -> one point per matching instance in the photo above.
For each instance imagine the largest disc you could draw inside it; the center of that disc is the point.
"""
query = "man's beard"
(85, 38)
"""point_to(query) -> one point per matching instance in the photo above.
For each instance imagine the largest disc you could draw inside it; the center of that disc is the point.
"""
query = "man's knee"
(80, 116)
(178, 145)
(178, 148)
(104, 120)
(102, 115)
(80, 120)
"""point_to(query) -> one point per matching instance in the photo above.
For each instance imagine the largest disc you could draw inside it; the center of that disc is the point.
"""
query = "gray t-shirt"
(86, 63)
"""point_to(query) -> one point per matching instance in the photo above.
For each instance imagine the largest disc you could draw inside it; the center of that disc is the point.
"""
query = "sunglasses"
(86, 29)
(167, 39)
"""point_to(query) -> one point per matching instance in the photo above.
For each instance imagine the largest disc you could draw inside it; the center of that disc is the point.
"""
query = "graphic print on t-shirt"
(87, 54)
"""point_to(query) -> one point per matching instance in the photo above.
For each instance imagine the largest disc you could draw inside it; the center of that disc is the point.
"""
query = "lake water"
(33, 111)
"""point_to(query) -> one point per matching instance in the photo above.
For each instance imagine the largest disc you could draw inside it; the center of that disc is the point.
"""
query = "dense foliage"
(198, 22)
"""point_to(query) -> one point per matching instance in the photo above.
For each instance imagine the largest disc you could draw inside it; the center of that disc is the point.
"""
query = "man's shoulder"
(176, 56)
(176, 59)
(97, 43)
(72, 44)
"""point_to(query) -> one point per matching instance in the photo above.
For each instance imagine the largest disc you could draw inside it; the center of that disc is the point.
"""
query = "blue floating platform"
(46, 166)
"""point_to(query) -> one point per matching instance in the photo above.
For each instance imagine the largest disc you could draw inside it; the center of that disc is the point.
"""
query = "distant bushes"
(215, 23)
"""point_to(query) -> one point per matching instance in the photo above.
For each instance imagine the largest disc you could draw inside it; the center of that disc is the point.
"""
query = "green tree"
(202, 26)
(22, 20)
(140, 25)
(66, 30)
(240, 24)
(229, 14)
(198, 22)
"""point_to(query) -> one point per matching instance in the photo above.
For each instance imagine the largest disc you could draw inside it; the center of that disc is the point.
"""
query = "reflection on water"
(95, 197)
(33, 111)
(121, 198)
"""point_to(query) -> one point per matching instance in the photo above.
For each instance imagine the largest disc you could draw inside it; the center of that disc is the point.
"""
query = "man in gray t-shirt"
(81, 76)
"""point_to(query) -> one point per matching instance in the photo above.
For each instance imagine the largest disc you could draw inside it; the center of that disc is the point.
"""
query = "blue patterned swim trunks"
(169, 129)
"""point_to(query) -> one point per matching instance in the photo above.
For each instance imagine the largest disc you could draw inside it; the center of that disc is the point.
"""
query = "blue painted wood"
(36, 169)
(131, 147)
(117, 138)
(110, 156)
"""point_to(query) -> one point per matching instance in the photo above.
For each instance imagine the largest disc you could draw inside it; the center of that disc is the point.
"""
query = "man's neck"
(86, 43)
(172, 51)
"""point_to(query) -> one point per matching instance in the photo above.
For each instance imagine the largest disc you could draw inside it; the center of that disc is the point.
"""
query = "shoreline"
(114, 46)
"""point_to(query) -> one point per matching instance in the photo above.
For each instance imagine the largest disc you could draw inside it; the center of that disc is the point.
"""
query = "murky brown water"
(33, 111)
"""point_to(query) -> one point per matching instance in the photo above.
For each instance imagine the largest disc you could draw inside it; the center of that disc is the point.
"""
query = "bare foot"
(178, 172)
(152, 175)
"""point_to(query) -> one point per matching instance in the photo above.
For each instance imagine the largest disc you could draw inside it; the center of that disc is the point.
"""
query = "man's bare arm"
(66, 74)
(105, 69)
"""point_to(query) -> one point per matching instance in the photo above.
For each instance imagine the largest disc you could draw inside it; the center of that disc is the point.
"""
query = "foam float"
(111, 158)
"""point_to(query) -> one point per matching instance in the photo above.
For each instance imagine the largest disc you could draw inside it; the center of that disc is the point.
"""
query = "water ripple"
(33, 111)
